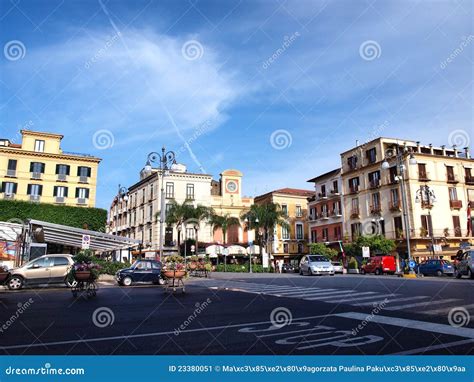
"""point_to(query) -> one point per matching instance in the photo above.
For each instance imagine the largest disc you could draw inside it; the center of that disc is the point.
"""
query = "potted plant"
(446, 232)
(353, 265)
(423, 232)
(4, 273)
(84, 269)
(174, 267)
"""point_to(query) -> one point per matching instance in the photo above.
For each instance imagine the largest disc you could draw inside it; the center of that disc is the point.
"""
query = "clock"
(231, 186)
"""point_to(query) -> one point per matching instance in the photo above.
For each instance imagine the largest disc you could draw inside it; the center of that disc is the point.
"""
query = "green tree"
(195, 215)
(224, 222)
(322, 249)
(378, 244)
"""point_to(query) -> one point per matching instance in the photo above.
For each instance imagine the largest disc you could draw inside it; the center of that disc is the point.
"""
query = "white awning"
(236, 250)
(9, 231)
(214, 250)
(61, 234)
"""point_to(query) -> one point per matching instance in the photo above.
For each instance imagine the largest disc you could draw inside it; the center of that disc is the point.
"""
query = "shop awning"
(65, 235)
(9, 231)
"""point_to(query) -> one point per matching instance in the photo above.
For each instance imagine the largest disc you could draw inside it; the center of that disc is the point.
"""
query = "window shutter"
(28, 190)
(12, 164)
(89, 172)
(68, 169)
(55, 191)
(65, 192)
(40, 190)
(57, 171)
(77, 192)
(87, 193)
(32, 164)
(78, 170)
(2, 187)
(15, 188)
(42, 168)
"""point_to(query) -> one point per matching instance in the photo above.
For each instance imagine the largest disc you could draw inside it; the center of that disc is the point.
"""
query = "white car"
(316, 265)
(338, 268)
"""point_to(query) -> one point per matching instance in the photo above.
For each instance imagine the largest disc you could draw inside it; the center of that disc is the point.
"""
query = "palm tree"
(176, 215)
(224, 222)
(265, 216)
(196, 215)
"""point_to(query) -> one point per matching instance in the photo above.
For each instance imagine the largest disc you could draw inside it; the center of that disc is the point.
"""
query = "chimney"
(431, 149)
(443, 148)
(357, 142)
(455, 151)
(467, 154)
(417, 146)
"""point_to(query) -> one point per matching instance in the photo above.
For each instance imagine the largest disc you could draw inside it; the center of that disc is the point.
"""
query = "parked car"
(140, 271)
(380, 265)
(46, 269)
(465, 266)
(337, 265)
(288, 268)
(435, 268)
(316, 265)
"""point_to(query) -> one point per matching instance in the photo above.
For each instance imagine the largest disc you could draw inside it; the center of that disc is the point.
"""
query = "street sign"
(193, 248)
(365, 252)
(437, 248)
(86, 241)
(265, 260)
(411, 264)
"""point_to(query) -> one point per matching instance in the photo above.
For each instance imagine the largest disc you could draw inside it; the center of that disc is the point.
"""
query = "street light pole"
(426, 195)
(248, 222)
(165, 160)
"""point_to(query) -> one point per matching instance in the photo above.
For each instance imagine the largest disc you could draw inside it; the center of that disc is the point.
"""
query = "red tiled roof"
(293, 191)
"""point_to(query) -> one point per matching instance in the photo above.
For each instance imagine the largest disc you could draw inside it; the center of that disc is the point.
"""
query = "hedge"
(256, 268)
(81, 217)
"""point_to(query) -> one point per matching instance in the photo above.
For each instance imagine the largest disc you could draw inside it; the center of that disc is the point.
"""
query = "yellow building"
(38, 170)
(290, 244)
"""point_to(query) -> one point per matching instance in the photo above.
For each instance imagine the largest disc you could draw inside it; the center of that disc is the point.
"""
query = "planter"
(353, 271)
(82, 275)
(4, 276)
(192, 266)
(172, 274)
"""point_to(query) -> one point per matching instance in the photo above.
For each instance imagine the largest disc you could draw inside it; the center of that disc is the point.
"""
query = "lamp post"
(400, 153)
(165, 160)
(425, 195)
(121, 196)
(248, 223)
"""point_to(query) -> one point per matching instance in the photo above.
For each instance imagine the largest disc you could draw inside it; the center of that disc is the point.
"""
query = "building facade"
(325, 209)
(38, 170)
(439, 188)
(290, 244)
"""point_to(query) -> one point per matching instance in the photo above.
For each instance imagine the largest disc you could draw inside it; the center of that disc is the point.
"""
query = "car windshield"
(314, 259)
(135, 264)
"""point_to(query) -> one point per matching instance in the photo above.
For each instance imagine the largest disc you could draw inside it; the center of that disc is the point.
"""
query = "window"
(9, 188)
(63, 169)
(426, 225)
(151, 212)
(169, 190)
(168, 207)
(325, 234)
(84, 171)
(324, 210)
(37, 167)
(299, 211)
(336, 208)
(39, 146)
(60, 191)
(395, 197)
(82, 193)
(11, 167)
(397, 223)
(300, 248)
(355, 206)
(150, 235)
(468, 175)
(371, 155)
(284, 208)
(393, 174)
(422, 174)
(453, 194)
(312, 213)
(58, 261)
(299, 231)
(190, 191)
(190, 233)
(352, 162)
(374, 179)
(354, 184)
(356, 229)
(335, 187)
(314, 237)
(450, 174)
(285, 247)
(323, 190)
(285, 233)
(151, 191)
(337, 233)
(457, 226)
(376, 201)
(34, 189)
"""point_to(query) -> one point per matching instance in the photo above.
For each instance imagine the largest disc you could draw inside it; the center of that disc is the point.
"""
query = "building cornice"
(85, 158)
(42, 134)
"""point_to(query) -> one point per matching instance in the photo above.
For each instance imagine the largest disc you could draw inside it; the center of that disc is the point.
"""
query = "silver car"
(316, 265)
(465, 266)
(338, 268)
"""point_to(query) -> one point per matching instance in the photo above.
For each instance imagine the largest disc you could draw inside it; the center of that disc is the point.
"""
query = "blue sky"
(277, 89)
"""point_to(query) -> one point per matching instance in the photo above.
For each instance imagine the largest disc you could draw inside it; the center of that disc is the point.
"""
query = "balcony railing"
(81, 201)
(322, 195)
(34, 198)
(335, 192)
(374, 183)
(323, 215)
(375, 209)
(470, 180)
(452, 179)
(455, 204)
(424, 176)
(59, 199)
(62, 177)
(336, 212)
(11, 173)
(36, 175)
(8, 196)
(395, 205)
(354, 189)
(426, 204)
(355, 212)
(83, 179)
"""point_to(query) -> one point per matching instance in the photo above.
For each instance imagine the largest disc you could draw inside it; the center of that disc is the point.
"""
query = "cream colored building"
(39, 170)
(290, 244)
(373, 195)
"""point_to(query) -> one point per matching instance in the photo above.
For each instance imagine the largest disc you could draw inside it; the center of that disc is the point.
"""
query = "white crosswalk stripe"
(422, 304)
(445, 310)
(306, 292)
(390, 300)
(373, 296)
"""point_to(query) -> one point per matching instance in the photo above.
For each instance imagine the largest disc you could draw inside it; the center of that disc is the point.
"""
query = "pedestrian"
(280, 266)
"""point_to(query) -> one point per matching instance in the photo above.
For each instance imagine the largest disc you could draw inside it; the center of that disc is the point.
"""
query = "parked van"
(380, 265)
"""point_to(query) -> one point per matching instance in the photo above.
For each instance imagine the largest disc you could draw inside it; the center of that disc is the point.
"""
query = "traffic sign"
(411, 264)
(86, 241)
(365, 252)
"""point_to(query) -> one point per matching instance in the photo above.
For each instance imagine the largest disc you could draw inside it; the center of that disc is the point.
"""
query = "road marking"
(153, 334)
(375, 296)
(306, 291)
(322, 296)
(396, 300)
(412, 324)
(446, 310)
(424, 303)
(435, 347)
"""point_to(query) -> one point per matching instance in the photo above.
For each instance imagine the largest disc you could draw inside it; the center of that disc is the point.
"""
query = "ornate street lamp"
(122, 196)
(164, 160)
(248, 223)
(399, 152)
(425, 195)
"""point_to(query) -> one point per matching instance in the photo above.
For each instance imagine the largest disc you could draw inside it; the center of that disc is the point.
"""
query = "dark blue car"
(436, 268)
(140, 271)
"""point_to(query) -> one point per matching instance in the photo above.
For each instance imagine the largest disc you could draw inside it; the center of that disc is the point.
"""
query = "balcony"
(335, 192)
(81, 201)
(424, 177)
(35, 198)
(391, 180)
(426, 204)
(374, 183)
(353, 189)
(36, 175)
(452, 179)
(394, 206)
(322, 195)
(470, 180)
(83, 179)
(455, 204)
(61, 177)
(375, 209)
(59, 199)
(8, 196)
(323, 215)
(11, 173)
(336, 213)
(355, 214)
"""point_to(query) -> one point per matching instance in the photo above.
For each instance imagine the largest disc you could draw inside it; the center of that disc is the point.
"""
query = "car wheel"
(439, 273)
(470, 274)
(309, 272)
(377, 272)
(457, 274)
(127, 281)
(15, 283)
(301, 272)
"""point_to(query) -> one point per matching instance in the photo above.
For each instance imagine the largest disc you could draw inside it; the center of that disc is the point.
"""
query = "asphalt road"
(246, 314)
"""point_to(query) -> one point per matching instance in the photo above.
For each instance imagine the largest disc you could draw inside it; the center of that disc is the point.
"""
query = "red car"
(380, 265)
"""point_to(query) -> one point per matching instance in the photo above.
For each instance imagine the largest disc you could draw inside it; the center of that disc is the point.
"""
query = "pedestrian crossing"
(389, 301)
